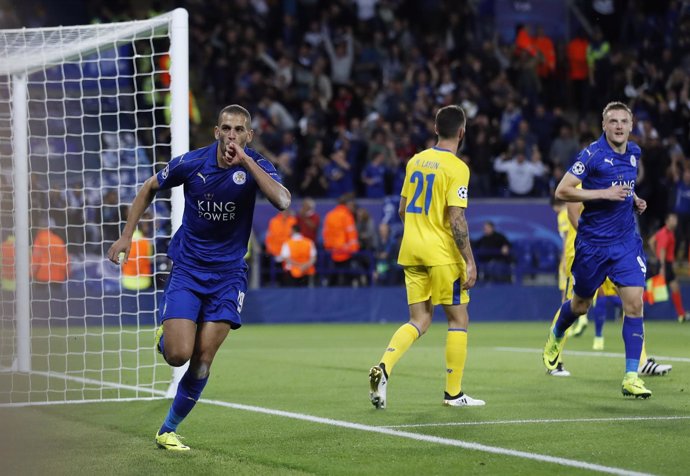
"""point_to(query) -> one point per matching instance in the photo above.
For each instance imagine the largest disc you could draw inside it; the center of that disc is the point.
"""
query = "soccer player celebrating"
(436, 255)
(607, 242)
(205, 291)
(606, 296)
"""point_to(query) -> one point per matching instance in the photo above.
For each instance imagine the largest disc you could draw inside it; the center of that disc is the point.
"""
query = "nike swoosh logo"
(554, 361)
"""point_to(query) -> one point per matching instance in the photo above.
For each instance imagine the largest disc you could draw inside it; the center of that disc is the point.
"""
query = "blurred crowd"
(344, 92)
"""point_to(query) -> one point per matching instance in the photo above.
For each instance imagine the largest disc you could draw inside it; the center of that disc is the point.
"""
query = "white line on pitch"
(428, 438)
(520, 422)
(587, 353)
(372, 429)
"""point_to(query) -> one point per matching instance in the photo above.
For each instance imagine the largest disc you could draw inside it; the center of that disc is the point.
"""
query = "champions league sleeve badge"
(239, 177)
(462, 193)
(578, 168)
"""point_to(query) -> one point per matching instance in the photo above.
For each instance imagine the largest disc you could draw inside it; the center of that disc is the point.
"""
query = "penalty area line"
(553, 420)
(428, 438)
(585, 353)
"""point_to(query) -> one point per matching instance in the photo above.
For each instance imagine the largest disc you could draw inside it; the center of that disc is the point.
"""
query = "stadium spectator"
(564, 148)
(374, 176)
(681, 208)
(137, 272)
(341, 55)
(546, 66)
(578, 71)
(339, 174)
(50, 264)
(278, 232)
(598, 64)
(492, 250)
(521, 173)
(308, 219)
(340, 238)
(298, 256)
(7, 264)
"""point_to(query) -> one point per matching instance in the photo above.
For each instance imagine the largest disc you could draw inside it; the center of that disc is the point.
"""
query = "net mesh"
(97, 100)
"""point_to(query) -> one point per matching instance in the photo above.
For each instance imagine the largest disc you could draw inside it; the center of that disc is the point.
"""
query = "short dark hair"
(615, 106)
(449, 121)
(234, 109)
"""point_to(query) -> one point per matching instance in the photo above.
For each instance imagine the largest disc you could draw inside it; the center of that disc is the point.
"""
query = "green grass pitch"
(320, 371)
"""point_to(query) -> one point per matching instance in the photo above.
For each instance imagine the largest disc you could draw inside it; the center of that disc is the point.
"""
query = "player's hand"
(471, 279)
(617, 193)
(640, 205)
(234, 155)
(121, 246)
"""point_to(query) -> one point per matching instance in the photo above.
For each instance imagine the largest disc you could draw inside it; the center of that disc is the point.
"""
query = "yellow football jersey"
(567, 232)
(434, 180)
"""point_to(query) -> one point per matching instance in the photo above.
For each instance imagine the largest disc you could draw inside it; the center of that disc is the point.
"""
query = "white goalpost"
(87, 113)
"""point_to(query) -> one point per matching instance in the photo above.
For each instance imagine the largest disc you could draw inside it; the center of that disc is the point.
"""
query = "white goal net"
(87, 113)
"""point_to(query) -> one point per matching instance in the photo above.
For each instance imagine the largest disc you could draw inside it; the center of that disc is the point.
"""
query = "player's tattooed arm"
(461, 235)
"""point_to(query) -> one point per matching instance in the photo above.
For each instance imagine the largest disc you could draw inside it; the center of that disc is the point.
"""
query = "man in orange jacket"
(137, 272)
(340, 237)
(299, 255)
(7, 264)
(49, 258)
(279, 231)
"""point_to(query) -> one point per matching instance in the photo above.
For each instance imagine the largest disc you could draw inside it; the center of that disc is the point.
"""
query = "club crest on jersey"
(578, 168)
(633, 161)
(239, 177)
(462, 193)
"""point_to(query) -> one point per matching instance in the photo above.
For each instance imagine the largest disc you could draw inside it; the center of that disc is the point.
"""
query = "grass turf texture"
(321, 370)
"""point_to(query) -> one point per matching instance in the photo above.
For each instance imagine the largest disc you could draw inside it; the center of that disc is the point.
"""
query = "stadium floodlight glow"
(87, 113)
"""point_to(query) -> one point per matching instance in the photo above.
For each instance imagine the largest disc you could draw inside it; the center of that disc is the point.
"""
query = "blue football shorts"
(204, 296)
(624, 263)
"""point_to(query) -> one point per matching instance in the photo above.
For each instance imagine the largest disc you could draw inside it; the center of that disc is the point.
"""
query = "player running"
(204, 294)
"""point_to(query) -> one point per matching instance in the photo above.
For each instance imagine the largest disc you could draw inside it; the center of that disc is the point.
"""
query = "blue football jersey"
(598, 166)
(219, 208)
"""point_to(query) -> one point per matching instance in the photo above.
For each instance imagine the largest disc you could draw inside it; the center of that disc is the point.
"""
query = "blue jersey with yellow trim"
(219, 208)
(599, 167)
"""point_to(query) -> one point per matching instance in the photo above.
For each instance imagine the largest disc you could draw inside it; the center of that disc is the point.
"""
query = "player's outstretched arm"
(275, 192)
(139, 205)
(461, 234)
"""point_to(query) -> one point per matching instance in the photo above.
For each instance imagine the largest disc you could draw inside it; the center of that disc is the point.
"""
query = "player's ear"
(250, 136)
(461, 134)
(216, 132)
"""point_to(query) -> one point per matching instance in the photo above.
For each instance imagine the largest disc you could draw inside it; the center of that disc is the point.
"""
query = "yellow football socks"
(456, 355)
(403, 338)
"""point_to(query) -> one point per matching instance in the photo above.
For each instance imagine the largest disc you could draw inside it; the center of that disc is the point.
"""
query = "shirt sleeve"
(661, 242)
(457, 192)
(582, 166)
(174, 174)
(265, 164)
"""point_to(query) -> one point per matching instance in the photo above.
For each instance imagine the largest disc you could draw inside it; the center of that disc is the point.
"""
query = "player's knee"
(634, 310)
(176, 359)
(579, 307)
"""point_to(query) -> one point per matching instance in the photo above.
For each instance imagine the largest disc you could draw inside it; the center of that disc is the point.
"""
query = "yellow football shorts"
(443, 284)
